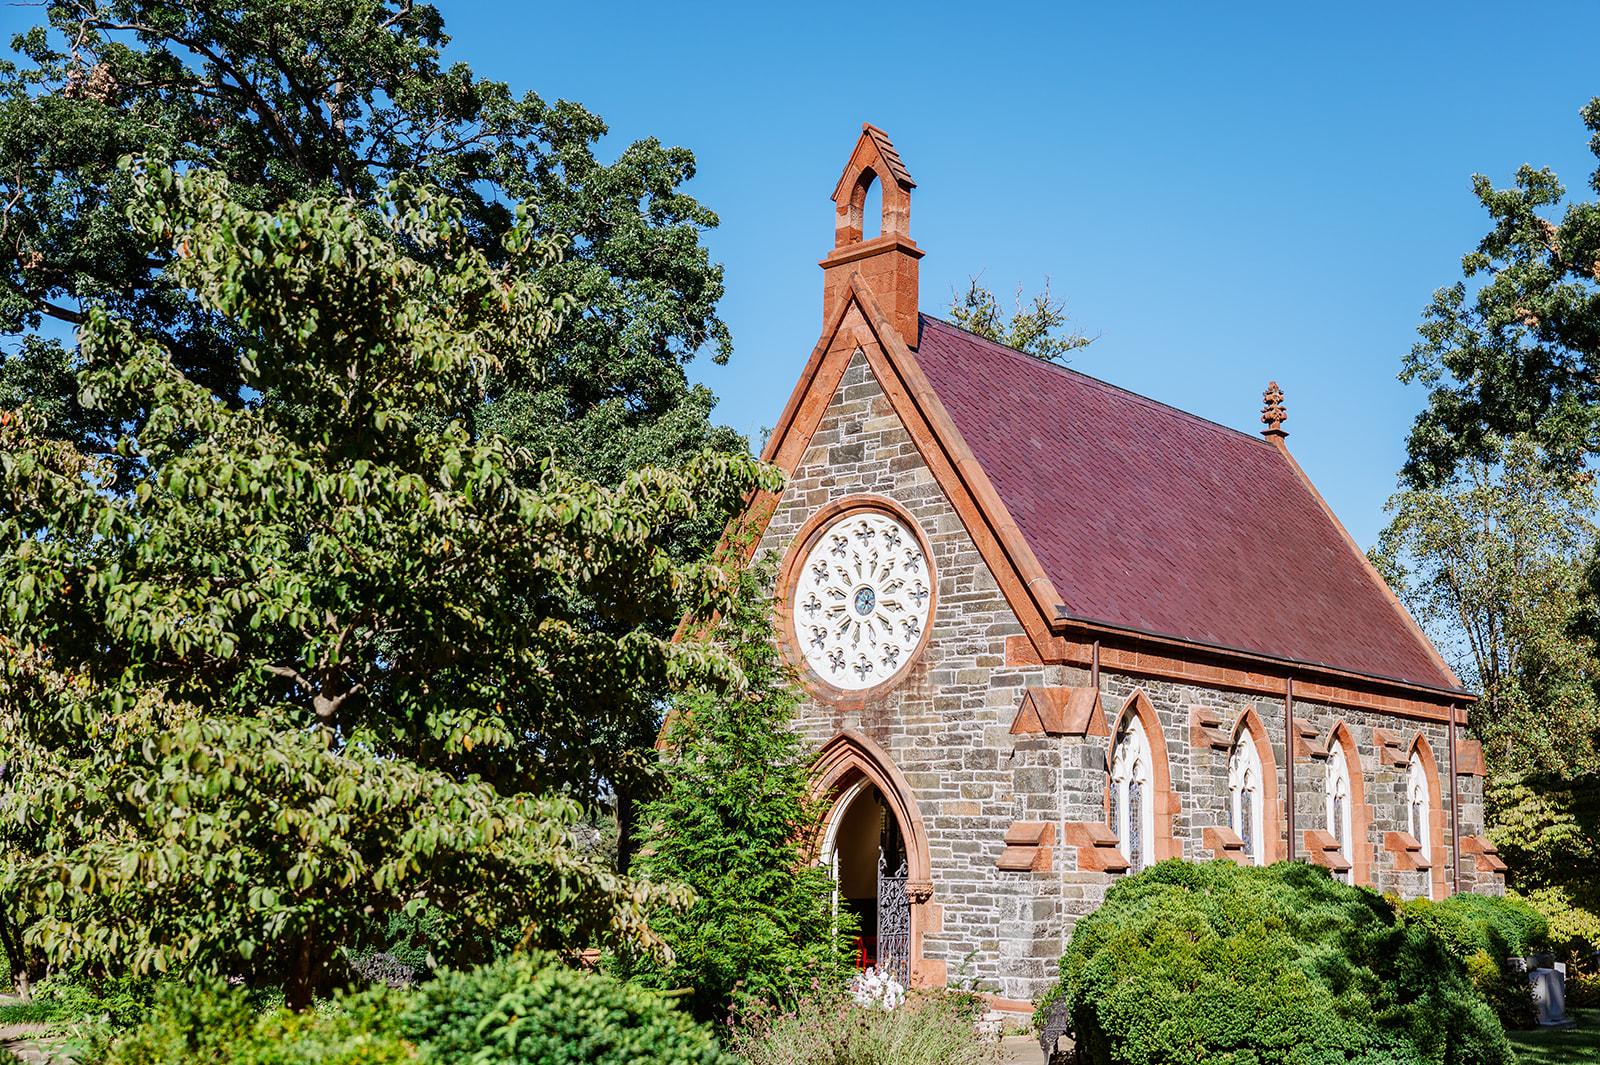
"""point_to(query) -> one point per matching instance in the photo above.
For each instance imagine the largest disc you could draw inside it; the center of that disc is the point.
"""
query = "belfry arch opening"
(869, 194)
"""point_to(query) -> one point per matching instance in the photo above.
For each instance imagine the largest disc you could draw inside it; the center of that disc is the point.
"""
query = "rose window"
(862, 600)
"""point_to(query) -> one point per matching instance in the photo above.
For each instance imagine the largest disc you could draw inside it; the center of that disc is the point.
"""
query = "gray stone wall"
(946, 726)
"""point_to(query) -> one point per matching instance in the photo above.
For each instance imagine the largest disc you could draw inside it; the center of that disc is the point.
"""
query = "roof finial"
(1273, 413)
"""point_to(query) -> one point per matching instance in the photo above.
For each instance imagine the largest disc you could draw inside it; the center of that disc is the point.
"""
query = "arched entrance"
(874, 845)
(866, 851)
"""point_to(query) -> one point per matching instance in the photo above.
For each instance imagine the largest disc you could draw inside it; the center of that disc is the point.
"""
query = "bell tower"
(887, 262)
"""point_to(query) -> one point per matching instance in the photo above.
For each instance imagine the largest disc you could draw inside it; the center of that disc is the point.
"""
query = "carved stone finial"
(1273, 412)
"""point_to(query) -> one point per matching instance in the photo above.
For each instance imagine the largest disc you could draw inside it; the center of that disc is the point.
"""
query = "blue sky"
(1229, 193)
(1226, 192)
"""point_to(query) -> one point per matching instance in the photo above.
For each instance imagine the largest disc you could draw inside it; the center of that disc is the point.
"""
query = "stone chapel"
(1051, 632)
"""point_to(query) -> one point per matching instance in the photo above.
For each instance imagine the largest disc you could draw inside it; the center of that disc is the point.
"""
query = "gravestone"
(1547, 979)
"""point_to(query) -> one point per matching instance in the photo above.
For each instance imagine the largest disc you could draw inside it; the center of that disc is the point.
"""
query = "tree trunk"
(18, 956)
(300, 981)
(626, 813)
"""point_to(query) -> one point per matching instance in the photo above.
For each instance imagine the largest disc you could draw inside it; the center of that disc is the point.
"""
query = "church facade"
(1051, 632)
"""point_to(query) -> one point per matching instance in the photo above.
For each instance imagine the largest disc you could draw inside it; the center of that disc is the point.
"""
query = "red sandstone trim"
(1440, 873)
(857, 321)
(842, 761)
(1360, 813)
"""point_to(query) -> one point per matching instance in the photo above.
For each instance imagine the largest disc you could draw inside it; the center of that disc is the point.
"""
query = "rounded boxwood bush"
(1216, 962)
(529, 1009)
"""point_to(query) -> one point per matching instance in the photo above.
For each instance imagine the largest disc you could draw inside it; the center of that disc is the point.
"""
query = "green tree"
(1491, 566)
(1032, 330)
(731, 823)
(1520, 352)
(1547, 827)
(314, 97)
(328, 655)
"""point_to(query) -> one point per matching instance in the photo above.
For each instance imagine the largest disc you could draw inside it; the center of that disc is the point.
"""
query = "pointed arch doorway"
(874, 844)
(866, 851)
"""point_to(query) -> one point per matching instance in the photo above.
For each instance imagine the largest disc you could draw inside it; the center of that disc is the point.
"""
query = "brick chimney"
(888, 262)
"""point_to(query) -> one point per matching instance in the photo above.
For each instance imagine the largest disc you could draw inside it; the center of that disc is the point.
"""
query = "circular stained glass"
(862, 600)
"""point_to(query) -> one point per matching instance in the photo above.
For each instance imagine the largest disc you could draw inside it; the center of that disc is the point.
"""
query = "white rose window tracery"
(862, 600)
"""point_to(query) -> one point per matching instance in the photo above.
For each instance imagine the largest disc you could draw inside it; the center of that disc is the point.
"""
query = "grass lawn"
(1580, 1044)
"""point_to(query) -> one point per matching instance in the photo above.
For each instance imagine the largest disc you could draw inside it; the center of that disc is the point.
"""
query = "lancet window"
(1337, 799)
(1244, 796)
(1419, 810)
(1132, 816)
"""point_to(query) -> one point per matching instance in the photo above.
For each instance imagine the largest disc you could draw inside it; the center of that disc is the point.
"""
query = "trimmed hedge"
(1215, 962)
(530, 1010)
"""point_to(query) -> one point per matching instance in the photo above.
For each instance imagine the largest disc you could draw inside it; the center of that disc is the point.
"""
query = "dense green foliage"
(526, 1008)
(1032, 330)
(1520, 353)
(1467, 923)
(1491, 565)
(213, 1024)
(824, 1025)
(73, 998)
(1547, 829)
(325, 657)
(1485, 933)
(530, 1010)
(1571, 911)
(327, 97)
(1216, 962)
(731, 822)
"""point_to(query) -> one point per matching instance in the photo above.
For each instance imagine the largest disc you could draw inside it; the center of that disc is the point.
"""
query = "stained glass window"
(1417, 793)
(1116, 808)
(1247, 799)
(1136, 824)
(1338, 821)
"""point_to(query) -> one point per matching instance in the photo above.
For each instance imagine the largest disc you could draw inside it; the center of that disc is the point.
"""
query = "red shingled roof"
(1148, 518)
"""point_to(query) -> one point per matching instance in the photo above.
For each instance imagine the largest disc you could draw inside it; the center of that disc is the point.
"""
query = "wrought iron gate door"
(894, 923)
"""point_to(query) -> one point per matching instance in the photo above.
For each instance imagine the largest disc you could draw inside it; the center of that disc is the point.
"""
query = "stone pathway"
(1022, 1050)
(30, 1043)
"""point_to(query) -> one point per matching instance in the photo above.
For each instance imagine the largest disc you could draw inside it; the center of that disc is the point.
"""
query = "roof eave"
(1065, 621)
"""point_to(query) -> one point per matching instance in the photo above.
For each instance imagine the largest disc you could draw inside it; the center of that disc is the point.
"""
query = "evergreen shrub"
(1214, 962)
(212, 1024)
(529, 1009)
(1486, 933)
(731, 822)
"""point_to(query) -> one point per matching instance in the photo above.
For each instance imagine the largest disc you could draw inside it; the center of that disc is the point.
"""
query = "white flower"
(871, 988)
